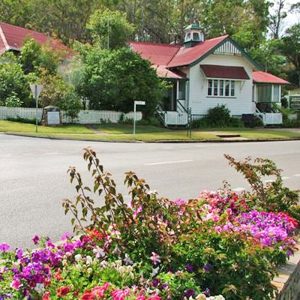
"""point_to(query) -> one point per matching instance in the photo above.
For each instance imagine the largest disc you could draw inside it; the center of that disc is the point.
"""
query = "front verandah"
(174, 109)
(267, 98)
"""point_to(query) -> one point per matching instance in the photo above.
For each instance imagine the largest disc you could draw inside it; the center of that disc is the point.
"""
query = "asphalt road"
(34, 180)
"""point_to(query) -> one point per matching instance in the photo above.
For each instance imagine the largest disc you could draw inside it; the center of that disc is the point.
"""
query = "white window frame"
(218, 88)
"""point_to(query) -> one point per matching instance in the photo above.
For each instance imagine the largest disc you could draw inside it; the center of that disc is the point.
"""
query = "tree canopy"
(113, 80)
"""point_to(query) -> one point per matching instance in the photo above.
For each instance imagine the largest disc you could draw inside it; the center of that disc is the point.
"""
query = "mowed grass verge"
(123, 132)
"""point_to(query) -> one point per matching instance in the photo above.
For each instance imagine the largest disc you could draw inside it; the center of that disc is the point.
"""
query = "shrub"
(272, 196)
(218, 116)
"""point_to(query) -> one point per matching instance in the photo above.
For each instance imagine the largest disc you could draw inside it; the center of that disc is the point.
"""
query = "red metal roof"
(186, 56)
(157, 54)
(163, 72)
(215, 71)
(264, 77)
(12, 38)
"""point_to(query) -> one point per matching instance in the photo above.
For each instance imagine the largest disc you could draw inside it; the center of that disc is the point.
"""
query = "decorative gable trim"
(220, 45)
(227, 49)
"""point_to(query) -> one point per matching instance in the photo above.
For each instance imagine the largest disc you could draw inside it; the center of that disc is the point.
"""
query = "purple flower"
(189, 293)
(4, 247)
(19, 253)
(208, 267)
(155, 282)
(206, 292)
(189, 268)
(36, 239)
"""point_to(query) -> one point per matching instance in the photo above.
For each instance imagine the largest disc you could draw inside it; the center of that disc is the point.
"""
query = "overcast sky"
(292, 18)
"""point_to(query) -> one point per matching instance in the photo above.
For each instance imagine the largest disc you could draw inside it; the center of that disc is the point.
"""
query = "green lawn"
(117, 132)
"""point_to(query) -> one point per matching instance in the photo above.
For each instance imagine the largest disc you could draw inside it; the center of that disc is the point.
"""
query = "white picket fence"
(84, 116)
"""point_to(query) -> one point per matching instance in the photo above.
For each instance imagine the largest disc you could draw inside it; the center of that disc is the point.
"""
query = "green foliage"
(110, 29)
(268, 54)
(141, 233)
(291, 48)
(193, 254)
(35, 58)
(71, 104)
(272, 196)
(114, 79)
(14, 87)
(218, 116)
(226, 263)
(13, 101)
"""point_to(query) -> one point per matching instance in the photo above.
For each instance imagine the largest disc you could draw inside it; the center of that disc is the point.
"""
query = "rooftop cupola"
(193, 35)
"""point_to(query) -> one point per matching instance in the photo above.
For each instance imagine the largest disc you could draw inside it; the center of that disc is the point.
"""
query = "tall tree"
(65, 19)
(110, 28)
(277, 17)
(113, 79)
(291, 48)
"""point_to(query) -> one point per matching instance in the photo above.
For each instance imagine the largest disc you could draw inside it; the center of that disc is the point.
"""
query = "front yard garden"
(221, 245)
(145, 133)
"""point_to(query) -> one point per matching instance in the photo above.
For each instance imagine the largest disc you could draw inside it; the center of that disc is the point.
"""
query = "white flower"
(78, 257)
(155, 272)
(90, 270)
(103, 263)
(39, 288)
(88, 260)
(127, 260)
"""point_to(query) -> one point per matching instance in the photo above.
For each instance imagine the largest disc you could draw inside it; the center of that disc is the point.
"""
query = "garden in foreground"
(221, 245)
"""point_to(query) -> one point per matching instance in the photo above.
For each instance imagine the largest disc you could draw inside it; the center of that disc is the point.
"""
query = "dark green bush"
(226, 263)
(250, 120)
(218, 116)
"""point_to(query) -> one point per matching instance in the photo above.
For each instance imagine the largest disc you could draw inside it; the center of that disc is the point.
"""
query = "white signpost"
(36, 89)
(134, 111)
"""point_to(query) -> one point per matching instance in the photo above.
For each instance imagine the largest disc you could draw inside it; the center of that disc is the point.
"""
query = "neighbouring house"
(13, 37)
(206, 73)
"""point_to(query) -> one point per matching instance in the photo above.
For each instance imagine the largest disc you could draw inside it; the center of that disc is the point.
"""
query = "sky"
(292, 18)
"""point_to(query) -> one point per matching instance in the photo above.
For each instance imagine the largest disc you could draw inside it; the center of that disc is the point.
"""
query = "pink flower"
(16, 284)
(139, 209)
(155, 258)
(120, 294)
(99, 291)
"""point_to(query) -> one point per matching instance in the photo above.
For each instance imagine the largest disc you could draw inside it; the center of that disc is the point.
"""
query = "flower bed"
(220, 245)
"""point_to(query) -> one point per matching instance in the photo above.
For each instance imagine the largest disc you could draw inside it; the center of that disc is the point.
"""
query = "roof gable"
(13, 37)
(187, 56)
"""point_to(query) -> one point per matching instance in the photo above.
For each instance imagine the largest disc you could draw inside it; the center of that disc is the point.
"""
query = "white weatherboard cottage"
(207, 73)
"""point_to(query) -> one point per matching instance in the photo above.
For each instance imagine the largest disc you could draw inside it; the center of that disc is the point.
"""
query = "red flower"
(63, 291)
(58, 276)
(46, 296)
(87, 296)
(95, 234)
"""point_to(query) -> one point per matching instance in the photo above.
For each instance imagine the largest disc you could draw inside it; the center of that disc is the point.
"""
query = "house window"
(181, 90)
(276, 93)
(221, 88)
